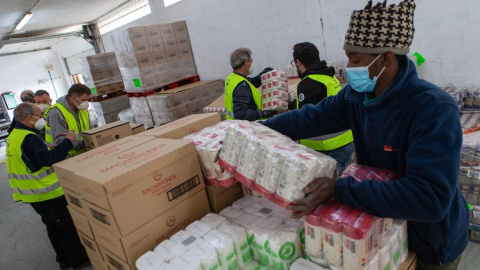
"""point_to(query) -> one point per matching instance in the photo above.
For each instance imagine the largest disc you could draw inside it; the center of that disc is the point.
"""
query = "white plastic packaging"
(302, 264)
(198, 228)
(374, 263)
(149, 261)
(357, 240)
(240, 242)
(401, 227)
(213, 220)
(284, 247)
(225, 249)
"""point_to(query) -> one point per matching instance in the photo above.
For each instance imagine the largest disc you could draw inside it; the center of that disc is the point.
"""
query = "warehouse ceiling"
(51, 18)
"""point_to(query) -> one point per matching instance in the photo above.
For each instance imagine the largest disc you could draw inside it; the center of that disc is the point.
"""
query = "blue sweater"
(412, 129)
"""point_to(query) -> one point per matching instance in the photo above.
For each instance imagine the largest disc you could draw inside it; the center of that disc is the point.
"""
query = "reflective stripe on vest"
(330, 141)
(230, 83)
(26, 186)
(72, 123)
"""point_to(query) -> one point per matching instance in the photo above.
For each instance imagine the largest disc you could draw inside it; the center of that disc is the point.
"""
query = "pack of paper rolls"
(271, 164)
(252, 234)
(208, 143)
(275, 91)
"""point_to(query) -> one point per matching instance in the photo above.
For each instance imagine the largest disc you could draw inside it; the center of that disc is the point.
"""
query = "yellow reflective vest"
(230, 83)
(331, 141)
(79, 127)
(28, 186)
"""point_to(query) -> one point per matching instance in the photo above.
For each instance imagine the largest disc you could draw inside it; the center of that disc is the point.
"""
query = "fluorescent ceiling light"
(170, 2)
(24, 21)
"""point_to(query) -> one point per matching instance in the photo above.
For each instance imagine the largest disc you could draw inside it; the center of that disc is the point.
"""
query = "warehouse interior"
(52, 52)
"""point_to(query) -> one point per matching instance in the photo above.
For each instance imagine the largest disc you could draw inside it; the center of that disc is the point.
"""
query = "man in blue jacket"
(399, 122)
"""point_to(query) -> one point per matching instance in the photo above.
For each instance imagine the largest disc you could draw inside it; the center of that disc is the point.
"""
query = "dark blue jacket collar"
(19, 125)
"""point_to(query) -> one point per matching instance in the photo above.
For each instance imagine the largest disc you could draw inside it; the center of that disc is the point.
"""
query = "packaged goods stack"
(106, 111)
(217, 106)
(156, 180)
(275, 91)
(182, 101)
(252, 234)
(101, 73)
(469, 179)
(152, 57)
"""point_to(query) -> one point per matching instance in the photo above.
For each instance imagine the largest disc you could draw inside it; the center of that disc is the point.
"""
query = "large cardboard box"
(74, 200)
(99, 136)
(129, 248)
(222, 197)
(66, 168)
(81, 222)
(93, 252)
(137, 128)
(144, 181)
(182, 127)
(115, 263)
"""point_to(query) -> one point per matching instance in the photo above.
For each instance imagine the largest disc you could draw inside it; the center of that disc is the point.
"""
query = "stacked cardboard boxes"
(153, 56)
(106, 111)
(127, 196)
(99, 136)
(182, 101)
(101, 73)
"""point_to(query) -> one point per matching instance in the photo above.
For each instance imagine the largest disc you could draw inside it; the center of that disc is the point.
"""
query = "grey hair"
(239, 57)
(22, 111)
(27, 96)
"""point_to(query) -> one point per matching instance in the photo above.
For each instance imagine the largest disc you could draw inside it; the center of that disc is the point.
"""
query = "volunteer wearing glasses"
(69, 113)
(33, 181)
(399, 123)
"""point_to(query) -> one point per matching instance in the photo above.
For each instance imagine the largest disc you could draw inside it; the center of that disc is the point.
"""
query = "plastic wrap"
(240, 242)
(153, 56)
(141, 111)
(471, 149)
(160, 109)
(126, 115)
(284, 247)
(332, 229)
(100, 69)
(357, 240)
(361, 173)
(274, 91)
(458, 94)
(225, 249)
(149, 261)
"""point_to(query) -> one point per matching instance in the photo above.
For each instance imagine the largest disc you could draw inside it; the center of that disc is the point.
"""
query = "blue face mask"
(359, 78)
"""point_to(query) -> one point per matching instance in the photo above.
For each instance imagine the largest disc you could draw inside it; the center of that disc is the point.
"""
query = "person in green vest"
(43, 101)
(69, 113)
(242, 99)
(33, 181)
(319, 82)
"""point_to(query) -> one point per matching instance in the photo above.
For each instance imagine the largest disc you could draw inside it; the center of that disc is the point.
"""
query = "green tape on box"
(94, 91)
(137, 82)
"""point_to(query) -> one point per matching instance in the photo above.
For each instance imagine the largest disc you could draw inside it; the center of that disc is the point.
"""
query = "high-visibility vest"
(331, 141)
(230, 83)
(72, 123)
(28, 186)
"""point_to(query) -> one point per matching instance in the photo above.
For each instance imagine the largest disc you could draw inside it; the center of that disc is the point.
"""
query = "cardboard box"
(410, 263)
(74, 200)
(182, 127)
(180, 29)
(99, 136)
(222, 197)
(183, 43)
(146, 180)
(137, 128)
(111, 104)
(186, 53)
(129, 248)
(115, 263)
(93, 252)
(81, 222)
(66, 168)
(219, 102)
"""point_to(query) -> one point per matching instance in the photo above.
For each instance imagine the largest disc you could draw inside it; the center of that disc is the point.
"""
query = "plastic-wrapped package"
(313, 233)
(258, 236)
(275, 91)
(141, 111)
(187, 261)
(240, 242)
(457, 93)
(225, 249)
(100, 69)
(361, 172)
(198, 228)
(126, 115)
(149, 261)
(471, 149)
(160, 109)
(401, 227)
(385, 260)
(377, 232)
(357, 240)
(332, 231)
(186, 239)
(391, 237)
(213, 220)
(278, 75)
(374, 263)
(209, 257)
(469, 120)
(387, 224)
(168, 249)
(284, 247)
(299, 169)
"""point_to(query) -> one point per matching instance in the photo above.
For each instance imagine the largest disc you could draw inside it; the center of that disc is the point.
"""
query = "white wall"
(446, 32)
(22, 71)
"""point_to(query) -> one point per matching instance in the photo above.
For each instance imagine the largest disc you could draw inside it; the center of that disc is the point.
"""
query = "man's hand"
(268, 113)
(71, 135)
(318, 192)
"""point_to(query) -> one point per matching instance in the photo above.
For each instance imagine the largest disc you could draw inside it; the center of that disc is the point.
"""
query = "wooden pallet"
(155, 89)
(107, 96)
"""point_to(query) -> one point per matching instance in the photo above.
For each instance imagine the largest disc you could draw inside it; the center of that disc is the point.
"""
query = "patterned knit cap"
(380, 29)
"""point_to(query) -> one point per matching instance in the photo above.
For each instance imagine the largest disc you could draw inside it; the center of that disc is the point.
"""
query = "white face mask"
(250, 70)
(43, 107)
(40, 124)
(83, 105)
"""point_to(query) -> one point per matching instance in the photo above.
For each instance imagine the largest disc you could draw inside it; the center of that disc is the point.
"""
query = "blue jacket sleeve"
(326, 117)
(429, 185)
(37, 155)
(243, 103)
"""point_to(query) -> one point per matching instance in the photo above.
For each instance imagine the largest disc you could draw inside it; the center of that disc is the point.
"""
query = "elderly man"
(242, 99)
(400, 123)
(43, 101)
(69, 113)
(33, 181)
(25, 96)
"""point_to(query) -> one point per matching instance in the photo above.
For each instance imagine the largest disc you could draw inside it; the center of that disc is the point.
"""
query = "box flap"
(184, 126)
(105, 127)
(219, 102)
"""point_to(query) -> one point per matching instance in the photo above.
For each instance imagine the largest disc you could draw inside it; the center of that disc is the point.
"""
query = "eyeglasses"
(37, 115)
(293, 63)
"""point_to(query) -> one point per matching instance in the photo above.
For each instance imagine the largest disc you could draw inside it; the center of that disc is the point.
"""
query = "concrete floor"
(25, 246)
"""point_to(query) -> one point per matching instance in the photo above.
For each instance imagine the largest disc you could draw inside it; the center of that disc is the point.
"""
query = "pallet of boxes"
(151, 58)
(102, 75)
(130, 194)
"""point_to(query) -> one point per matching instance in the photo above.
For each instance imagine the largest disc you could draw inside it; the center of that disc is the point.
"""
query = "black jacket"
(310, 91)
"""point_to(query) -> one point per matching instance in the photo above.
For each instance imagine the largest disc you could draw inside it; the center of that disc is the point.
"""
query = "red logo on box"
(126, 155)
(171, 221)
(157, 175)
(192, 130)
